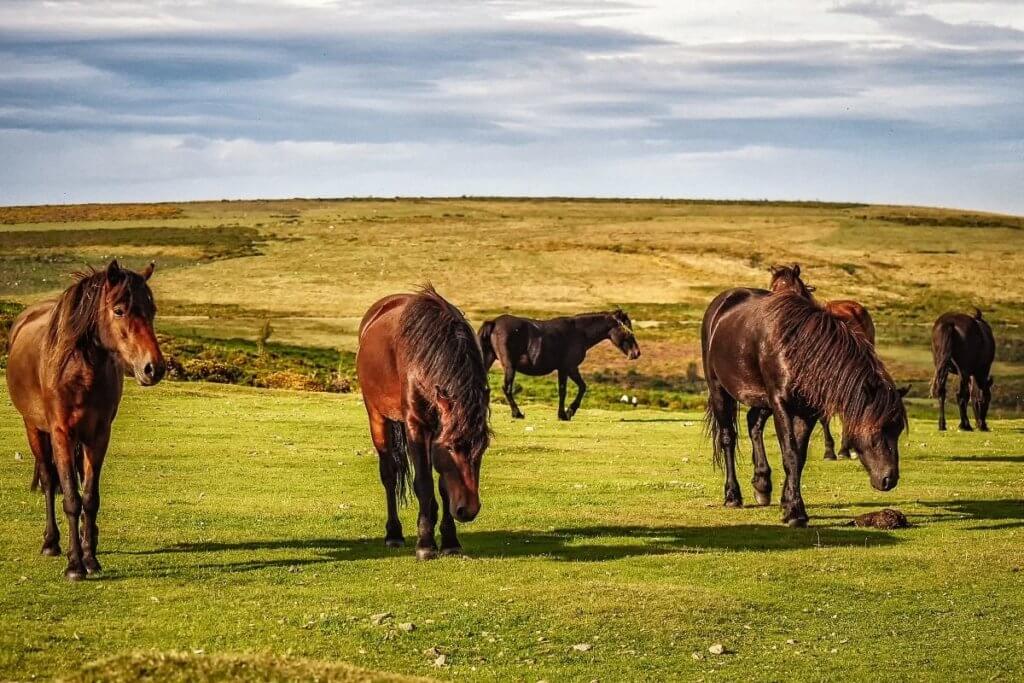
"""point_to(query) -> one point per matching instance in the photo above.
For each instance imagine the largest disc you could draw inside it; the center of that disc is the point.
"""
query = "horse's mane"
(834, 369)
(442, 350)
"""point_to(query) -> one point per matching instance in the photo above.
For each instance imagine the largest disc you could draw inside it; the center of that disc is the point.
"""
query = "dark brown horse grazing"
(65, 373)
(964, 344)
(787, 279)
(425, 389)
(786, 354)
(540, 347)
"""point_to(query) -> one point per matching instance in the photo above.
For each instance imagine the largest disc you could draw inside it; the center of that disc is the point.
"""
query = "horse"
(786, 354)
(787, 278)
(425, 388)
(540, 347)
(65, 373)
(964, 344)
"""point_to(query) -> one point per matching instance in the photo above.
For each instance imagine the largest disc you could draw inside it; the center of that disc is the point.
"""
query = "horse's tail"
(977, 313)
(398, 449)
(484, 335)
(942, 349)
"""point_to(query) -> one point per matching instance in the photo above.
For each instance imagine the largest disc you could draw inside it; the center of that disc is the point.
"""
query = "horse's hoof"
(983, 428)
(966, 428)
(92, 567)
(763, 498)
(74, 574)
(563, 417)
(518, 416)
(451, 552)
(846, 455)
(830, 456)
(50, 551)
(394, 542)
(426, 554)
(942, 428)
(796, 522)
(733, 503)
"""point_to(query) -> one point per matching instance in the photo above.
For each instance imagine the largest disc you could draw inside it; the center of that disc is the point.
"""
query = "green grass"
(238, 520)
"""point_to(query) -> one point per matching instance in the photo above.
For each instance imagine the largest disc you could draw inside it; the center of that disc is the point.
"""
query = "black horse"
(785, 354)
(540, 347)
(964, 344)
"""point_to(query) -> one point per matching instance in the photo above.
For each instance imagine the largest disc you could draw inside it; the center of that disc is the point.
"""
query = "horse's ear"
(114, 272)
(444, 400)
(148, 272)
(796, 270)
(903, 391)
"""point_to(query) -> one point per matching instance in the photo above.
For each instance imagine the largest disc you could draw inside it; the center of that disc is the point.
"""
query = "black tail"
(484, 335)
(977, 314)
(714, 430)
(943, 352)
(398, 448)
(37, 472)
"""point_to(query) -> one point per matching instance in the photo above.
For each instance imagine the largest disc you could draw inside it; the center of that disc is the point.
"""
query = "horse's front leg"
(92, 463)
(508, 386)
(830, 443)
(423, 485)
(449, 539)
(794, 432)
(581, 389)
(562, 379)
(64, 458)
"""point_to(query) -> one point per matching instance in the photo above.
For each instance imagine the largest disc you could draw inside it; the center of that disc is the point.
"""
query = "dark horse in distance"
(65, 372)
(785, 354)
(787, 279)
(540, 347)
(964, 344)
(425, 388)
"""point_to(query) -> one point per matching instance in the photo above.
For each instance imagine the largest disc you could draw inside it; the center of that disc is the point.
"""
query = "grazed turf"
(243, 520)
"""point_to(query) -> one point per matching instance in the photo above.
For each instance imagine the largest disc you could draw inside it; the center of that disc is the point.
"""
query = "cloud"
(550, 97)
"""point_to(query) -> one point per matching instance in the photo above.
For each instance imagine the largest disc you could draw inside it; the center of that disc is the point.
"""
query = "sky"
(918, 102)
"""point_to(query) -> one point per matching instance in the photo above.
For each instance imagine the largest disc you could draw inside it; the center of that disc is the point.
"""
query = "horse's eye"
(118, 311)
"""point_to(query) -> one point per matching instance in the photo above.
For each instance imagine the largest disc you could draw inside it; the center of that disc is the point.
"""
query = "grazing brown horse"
(785, 354)
(540, 347)
(787, 279)
(65, 372)
(425, 389)
(964, 344)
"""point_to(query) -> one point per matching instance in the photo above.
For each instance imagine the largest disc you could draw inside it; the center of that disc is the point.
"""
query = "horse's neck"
(594, 327)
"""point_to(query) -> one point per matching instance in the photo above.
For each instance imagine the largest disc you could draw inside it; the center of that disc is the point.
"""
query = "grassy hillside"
(237, 520)
(312, 267)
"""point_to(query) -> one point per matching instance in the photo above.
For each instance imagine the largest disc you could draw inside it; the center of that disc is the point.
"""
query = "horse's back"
(23, 362)
(728, 301)
(730, 343)
(971, 341)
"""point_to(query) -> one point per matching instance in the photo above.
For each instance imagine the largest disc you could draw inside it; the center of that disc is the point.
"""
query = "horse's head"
(787, 279)
(458, 451)
(622, 335)
(124, 322)
(878, 441)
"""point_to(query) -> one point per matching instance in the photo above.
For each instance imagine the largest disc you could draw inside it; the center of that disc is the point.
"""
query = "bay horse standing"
(425, 389)
(540, 347)
(964, 344)
(787, 279)
(785, 354)
(65, 372)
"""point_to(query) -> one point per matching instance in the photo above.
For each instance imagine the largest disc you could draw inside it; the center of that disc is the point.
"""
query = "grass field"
(608, 531)
(243, 525)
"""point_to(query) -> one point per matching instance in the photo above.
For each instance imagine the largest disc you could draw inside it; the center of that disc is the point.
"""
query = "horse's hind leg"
(963, 395)
(762, 481)
(46, 474)
(723, 415)
(389, 474)
(980, 398)
(830, 443)
(509, 386)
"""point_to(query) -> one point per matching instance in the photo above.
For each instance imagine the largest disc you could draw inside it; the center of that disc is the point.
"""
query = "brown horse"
(787, 279)
(785, 354)
(540, 347)
(964, 344)
(65, 372)
(425, 389)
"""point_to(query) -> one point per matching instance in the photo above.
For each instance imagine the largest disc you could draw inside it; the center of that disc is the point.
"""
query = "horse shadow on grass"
(571, 544)
(987, 458)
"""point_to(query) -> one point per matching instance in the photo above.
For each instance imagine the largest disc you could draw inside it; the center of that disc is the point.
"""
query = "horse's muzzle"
(151, 372)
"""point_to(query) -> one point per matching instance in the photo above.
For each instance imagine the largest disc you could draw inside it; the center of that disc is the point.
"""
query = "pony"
(540, 347)
(787, 279)
(65, 374)
(785, 354)
(425, 389)
(964, 344)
